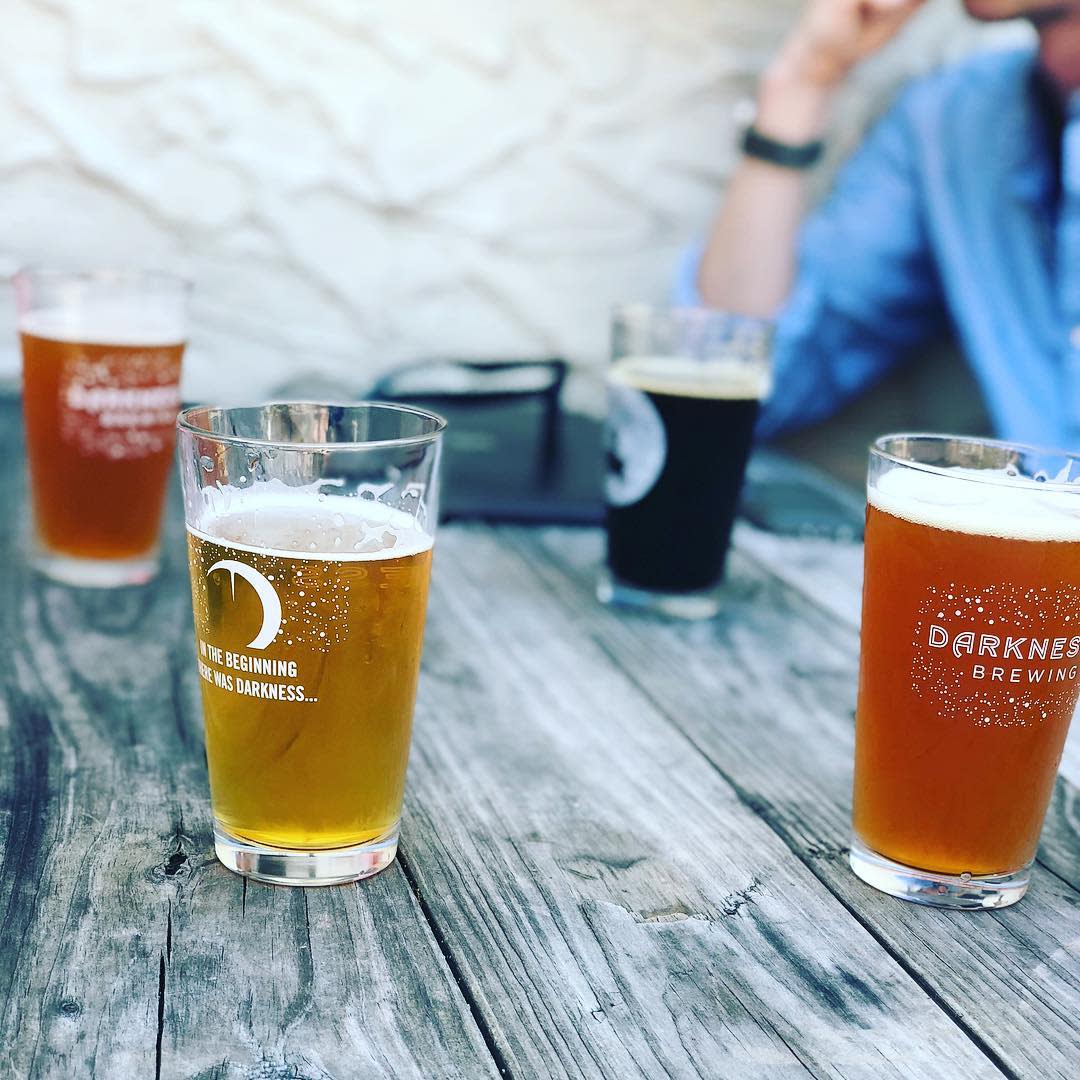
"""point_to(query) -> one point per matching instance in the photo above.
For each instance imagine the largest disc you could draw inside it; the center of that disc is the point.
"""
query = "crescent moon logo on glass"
(266, 593)
(636, 445)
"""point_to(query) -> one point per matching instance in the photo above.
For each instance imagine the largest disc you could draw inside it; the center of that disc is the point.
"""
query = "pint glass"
(310, 530)
(970, 664)
(101, 389)
(684, 391)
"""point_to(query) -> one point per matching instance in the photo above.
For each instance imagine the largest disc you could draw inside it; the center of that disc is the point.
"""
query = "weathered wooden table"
(623, 851)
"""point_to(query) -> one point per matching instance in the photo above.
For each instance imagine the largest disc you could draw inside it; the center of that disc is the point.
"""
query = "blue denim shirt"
(953, 210)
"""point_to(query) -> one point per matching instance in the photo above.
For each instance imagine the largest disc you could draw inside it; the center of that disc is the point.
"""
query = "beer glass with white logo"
(101, 389)
(684, 391)
(310, 530)
(970, 664)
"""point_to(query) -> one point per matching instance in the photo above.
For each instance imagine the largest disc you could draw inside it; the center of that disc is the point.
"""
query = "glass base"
(96, 573)
(703, 604)
(962, 892)
(282, 866)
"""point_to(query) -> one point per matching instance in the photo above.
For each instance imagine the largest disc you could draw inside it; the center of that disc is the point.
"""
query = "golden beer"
(309, 627)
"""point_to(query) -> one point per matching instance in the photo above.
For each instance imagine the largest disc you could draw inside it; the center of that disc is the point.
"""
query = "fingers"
(866, 10)
(876, 6)
(834, 35)
(889, 7)
(883, 19)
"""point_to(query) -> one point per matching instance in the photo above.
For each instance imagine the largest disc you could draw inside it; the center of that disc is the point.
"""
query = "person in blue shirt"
(961, 208)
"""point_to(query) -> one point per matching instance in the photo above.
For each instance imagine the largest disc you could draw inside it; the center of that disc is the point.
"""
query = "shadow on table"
(514, 452)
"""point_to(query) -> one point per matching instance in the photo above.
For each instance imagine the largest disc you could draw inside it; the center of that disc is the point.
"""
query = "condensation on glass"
(310, 532)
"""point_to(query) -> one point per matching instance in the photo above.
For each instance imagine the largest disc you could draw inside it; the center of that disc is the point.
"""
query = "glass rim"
(877, 450)
(185, 422)
(104, 275)
(640, 308)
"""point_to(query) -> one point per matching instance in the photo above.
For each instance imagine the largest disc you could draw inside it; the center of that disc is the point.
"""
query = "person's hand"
(834, 35)
(828, 41)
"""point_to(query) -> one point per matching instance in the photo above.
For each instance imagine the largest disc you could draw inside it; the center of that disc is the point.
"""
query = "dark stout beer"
(679, 434)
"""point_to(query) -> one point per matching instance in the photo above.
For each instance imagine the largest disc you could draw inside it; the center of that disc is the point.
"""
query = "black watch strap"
(786, 155)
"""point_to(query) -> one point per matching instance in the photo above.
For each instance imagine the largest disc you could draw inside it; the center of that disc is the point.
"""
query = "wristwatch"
(786, 155)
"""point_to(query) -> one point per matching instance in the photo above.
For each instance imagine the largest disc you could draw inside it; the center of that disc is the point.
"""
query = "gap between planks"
(754, 805)
(455, 968)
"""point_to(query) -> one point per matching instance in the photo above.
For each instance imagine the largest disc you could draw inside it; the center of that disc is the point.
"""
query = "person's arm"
(748, 263)
(867, 290)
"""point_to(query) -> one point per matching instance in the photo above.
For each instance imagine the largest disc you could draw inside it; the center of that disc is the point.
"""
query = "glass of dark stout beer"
(684, 391)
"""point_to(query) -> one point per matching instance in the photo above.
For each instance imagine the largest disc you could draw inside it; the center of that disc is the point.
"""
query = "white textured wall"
(354, 184)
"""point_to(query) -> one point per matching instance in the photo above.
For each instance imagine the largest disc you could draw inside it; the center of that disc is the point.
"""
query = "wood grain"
(126, 950)
(614, 905)
(767, 692)
(622, 854)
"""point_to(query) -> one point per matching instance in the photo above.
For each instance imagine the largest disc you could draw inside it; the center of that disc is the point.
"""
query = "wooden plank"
(126, 950)
(766, 691)
(615, 907)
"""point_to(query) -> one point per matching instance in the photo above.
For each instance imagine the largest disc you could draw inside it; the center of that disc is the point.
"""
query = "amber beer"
(101, 388)
(99, 438)
(969, 676)
(308, 727)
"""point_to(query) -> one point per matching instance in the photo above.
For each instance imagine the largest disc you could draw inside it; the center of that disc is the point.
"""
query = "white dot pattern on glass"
(1005, 613)
(313, 590)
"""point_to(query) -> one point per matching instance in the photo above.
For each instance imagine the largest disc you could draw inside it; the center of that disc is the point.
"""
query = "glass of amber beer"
(101, 389)
(970, 664)
(310, 530)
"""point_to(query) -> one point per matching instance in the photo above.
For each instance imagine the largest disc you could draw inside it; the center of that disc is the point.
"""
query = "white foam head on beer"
(138, 322)
(275, 519)
(981, 502)
(722, 379)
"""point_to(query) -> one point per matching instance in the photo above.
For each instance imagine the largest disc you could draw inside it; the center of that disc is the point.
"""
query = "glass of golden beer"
(101, 389)
(970, 664)
(310, 530)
